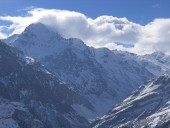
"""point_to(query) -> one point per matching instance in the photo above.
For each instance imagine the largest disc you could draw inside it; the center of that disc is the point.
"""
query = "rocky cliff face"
(32, 97)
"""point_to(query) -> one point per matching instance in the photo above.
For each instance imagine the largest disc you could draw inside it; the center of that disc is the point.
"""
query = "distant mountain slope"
(31, 97)
(160, 59)
(102, 76)
(148, 107)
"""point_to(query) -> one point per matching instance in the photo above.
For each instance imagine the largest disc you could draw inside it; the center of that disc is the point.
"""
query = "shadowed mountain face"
(103, 76)
(147, 107)
(31, 97)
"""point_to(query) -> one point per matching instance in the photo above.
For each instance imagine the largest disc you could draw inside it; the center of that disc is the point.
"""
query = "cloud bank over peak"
(104, 31)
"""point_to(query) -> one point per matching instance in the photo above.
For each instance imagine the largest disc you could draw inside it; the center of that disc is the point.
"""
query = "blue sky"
(138, 11)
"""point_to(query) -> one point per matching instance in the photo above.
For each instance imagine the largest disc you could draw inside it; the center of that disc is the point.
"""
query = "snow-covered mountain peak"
(39, 40)
(40, 31)
(46, 35)
(36, 27)
(77, 43)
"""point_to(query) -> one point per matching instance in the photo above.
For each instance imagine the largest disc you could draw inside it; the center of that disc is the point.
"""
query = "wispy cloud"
(155, 5)
(27, 8)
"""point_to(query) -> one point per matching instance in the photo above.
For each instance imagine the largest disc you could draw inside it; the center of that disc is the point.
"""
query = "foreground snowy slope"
(147, 107)
(31, 97)
(100, 75)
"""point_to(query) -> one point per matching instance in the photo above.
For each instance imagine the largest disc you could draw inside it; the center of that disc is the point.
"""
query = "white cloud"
(74, 24)
(155, 36)
(2, 34)
(104, 31)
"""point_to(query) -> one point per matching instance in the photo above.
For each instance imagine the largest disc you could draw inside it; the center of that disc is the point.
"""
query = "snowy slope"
(147, 107)
(160, 59)
(100, 75)
(157, 63)
(34, 98)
